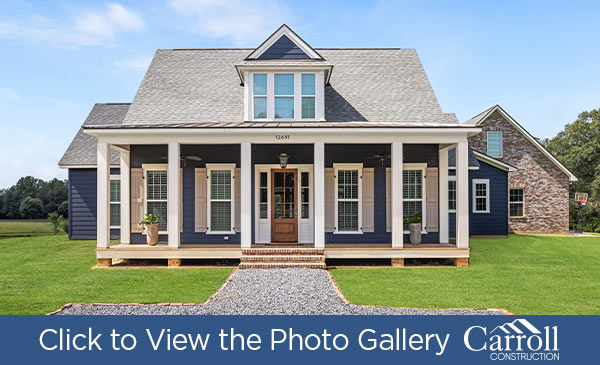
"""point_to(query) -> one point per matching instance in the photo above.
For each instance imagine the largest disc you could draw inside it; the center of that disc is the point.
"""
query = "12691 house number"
(281, 137)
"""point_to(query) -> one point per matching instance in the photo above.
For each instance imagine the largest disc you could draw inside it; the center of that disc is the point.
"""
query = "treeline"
(32, 198)
(578, 148)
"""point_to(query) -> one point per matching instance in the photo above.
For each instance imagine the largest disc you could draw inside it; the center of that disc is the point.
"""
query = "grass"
(40, 274)
(21, 228)
(523, 274)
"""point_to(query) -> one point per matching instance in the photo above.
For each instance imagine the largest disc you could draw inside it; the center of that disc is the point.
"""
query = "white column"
(246, 192)
(102, 194)
(443, 198)
(462, 195)
(319, 193)
(125, 197)
(173, 196)
(397, 206)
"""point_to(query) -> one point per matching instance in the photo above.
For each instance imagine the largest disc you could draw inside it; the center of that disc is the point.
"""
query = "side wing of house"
(539, 188)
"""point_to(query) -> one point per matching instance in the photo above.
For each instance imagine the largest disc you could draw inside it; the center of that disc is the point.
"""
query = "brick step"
(281, 265)
(282, 251)
(283, 258)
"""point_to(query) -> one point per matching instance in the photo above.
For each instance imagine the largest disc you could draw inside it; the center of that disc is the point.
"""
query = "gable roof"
(82, 150)
(284, 43)
(481, 117)
(199, 86)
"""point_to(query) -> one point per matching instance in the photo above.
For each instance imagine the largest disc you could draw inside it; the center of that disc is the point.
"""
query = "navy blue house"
(322, 149)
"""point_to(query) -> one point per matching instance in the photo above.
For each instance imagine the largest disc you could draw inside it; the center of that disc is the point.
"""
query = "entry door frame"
(295, 215)
(262, 227)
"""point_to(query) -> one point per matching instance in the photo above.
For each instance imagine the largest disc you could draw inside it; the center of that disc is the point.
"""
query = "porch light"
(283, 160)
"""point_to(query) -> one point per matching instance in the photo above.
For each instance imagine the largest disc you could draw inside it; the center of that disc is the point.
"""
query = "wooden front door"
(284, 209)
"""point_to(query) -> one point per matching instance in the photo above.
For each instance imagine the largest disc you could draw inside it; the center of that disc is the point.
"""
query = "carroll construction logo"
(516, 340)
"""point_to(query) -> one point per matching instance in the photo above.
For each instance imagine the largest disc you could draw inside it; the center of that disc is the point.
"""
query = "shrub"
(56, 221)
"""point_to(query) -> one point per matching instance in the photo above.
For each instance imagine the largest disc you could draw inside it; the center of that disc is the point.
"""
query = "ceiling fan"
(382, 157)
(185, 158)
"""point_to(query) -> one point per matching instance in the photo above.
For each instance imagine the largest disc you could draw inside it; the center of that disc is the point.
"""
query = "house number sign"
(282, 137)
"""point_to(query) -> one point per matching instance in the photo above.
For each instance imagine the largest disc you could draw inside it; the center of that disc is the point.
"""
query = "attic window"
(285, 96)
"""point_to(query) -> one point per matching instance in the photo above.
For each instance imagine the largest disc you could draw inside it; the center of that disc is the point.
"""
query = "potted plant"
(150, 223)
(415, 227)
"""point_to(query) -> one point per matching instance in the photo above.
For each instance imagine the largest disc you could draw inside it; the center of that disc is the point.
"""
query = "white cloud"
(139, 63)
(242, 21)
(89, 28)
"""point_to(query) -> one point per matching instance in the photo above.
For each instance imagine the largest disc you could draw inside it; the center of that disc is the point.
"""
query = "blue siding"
(154, 154)
(82, 204)
(495, 222)
(283, 48)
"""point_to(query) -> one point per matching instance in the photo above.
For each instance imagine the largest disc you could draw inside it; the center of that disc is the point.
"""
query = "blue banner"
(298, 339)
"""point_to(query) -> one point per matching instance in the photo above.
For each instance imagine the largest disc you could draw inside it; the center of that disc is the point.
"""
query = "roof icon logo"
(518, 326)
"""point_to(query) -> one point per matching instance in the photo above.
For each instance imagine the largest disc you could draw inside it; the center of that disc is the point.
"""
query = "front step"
(281, 257)
(281, 265)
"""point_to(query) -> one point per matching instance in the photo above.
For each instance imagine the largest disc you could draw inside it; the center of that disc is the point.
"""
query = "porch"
(373, 228)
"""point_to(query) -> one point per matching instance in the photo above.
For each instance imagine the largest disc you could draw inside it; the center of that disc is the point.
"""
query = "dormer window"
(260, 96)
(308, 96)
(286, 96)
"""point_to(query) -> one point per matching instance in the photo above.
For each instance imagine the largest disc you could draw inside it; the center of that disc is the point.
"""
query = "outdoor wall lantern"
(283, 160)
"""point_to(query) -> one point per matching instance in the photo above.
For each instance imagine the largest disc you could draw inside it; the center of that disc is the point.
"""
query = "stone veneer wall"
(546, 187)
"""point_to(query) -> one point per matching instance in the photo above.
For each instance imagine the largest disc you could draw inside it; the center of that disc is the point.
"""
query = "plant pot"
(415, 233)
(152, 234)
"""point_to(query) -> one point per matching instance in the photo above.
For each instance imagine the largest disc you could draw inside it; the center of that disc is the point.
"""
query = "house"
(539, 187)
(326, 149)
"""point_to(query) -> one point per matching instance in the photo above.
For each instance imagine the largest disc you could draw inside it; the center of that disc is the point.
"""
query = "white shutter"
(388, 199)
(432, 199)
(137, 199)
(200, 192)
(329, 200)
(368, 199)
(237, 202)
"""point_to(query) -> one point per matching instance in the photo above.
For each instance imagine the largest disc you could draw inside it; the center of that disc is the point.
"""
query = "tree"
(63, 208)
(57, 222)
(52, 193)
(578, 148)
(31, 208)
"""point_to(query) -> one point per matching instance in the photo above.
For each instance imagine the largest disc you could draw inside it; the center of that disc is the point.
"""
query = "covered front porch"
(332, 194)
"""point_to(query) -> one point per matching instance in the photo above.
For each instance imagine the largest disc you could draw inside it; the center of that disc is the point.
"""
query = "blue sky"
(538, 59)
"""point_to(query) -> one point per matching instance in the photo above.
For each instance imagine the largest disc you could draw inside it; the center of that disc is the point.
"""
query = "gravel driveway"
(268, 291)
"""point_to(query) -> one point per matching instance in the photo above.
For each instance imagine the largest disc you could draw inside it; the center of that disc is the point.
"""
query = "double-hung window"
(412, 194)
(452, 194)
(284, 96)
(481, 195)
(156, 196)
(516, 202)
(259, 82)
(494, 143)
(220, 194)
(308, 96)
(348, 198)
(115, 201)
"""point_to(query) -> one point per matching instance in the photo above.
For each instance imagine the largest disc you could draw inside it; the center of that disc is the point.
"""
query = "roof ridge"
(114, 103)
(320, 48)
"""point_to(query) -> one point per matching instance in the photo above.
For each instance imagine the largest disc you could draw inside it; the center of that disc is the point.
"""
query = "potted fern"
(150, 223)
(415, 227)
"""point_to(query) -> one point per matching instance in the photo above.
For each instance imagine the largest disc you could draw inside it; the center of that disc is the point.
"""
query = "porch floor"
(331, 251)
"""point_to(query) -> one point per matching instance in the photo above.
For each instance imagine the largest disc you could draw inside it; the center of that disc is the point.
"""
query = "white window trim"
(521, 202)
(117, 178)
(348, 166)
(209, 168)
(487, 195)
(452, 178)
(145, 169)
(501, 144)
(423, 200)
(297, 96)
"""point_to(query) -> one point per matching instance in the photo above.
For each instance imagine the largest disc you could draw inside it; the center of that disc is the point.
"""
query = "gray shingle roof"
(82, 150)
(367, 85)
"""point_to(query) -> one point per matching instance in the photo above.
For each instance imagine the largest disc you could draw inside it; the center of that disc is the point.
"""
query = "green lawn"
(14, 228)
(523, 274)
(40, 274)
